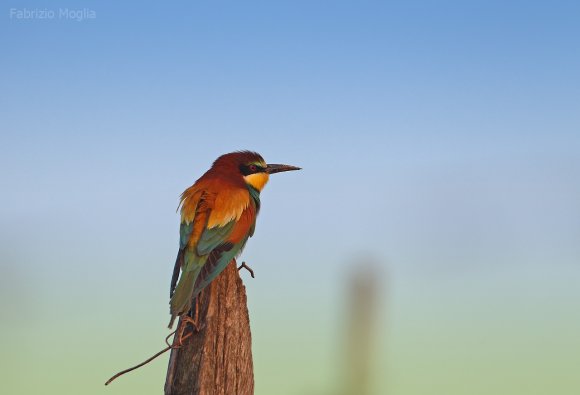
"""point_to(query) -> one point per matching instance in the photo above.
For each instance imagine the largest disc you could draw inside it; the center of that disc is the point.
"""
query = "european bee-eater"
(218, 215)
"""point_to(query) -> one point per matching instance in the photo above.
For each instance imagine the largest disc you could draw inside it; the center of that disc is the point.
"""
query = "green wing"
(185, 230)
(210, 239)
(218, 260)
(203, 261)
(214, 237)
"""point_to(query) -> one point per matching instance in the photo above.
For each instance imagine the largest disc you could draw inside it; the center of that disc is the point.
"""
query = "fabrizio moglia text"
(73, 14)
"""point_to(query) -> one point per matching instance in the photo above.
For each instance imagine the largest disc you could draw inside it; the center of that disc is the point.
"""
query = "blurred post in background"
(364, 288)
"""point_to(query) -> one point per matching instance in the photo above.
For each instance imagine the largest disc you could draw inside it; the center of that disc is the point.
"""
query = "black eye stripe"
(251, 169)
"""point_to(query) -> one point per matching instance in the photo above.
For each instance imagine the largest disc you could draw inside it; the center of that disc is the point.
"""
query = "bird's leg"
(243, 265)
(195, 319)
(186, 319)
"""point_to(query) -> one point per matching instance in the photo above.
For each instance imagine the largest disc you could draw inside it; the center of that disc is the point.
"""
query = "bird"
(218, 216)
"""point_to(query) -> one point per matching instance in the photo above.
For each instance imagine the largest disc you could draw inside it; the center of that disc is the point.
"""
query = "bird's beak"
(272, 168)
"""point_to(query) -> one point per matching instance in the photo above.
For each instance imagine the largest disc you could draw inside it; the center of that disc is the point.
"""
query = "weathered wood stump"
(218, 358)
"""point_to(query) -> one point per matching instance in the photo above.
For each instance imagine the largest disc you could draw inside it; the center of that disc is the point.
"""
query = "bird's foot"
(179, 333)
(197, 326)
(244, 266)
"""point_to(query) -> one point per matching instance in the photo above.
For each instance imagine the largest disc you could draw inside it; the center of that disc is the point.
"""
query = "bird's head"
(251, 167)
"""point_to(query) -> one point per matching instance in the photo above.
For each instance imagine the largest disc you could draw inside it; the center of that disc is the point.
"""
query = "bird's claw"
(194, 322)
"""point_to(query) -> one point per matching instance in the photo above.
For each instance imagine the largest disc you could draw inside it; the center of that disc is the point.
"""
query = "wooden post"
(218, 358)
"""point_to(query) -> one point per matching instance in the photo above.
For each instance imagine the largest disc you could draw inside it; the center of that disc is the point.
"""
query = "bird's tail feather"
(181, 300)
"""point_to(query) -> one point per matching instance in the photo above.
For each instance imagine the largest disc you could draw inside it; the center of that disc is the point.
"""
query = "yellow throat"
(257, 180)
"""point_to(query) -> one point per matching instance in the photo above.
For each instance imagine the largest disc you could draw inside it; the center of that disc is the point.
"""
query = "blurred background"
(440, 142)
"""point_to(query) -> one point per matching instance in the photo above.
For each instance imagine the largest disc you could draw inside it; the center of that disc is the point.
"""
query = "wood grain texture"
(217, 360)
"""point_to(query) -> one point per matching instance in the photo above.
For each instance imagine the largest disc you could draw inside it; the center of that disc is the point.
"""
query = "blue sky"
(442, 138)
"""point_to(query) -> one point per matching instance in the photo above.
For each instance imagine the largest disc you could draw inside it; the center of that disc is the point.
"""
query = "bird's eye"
(253, 168)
